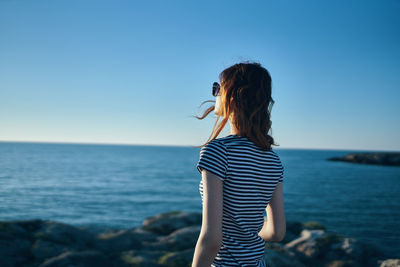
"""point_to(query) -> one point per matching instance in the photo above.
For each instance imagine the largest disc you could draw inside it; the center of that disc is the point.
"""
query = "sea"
(118, 186)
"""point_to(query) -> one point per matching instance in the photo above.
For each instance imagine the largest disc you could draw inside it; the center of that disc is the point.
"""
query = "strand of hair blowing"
(248, 86)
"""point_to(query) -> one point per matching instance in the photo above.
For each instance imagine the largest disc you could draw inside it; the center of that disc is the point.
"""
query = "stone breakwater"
(379, 158)
(168, 239)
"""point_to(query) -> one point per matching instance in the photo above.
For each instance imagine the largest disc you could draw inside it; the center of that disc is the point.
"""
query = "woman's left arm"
(210, 238)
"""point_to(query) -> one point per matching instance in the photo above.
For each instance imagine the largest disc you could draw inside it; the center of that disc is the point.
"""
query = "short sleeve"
(213, 159)
(281, 177)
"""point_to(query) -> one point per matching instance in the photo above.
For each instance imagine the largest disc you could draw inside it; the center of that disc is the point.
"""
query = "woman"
(241, 175)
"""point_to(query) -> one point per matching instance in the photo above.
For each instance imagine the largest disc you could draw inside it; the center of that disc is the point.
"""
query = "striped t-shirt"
(250, 176)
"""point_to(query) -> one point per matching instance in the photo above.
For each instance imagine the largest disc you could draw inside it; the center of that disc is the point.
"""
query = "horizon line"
(166, 145)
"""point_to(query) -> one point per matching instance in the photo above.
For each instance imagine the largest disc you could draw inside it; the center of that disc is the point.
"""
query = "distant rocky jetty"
(168, 239)
(380, 158)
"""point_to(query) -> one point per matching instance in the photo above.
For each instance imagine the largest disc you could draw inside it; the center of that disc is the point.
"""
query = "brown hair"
(247, 85)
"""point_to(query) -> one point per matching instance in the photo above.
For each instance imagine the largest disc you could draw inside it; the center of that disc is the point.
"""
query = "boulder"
(14, 251)
(165, 223)
(79, 259)
(276, 255)
(306, 244)
(178, 258)
(178, 240)
(43, 249)
(121, 240)
(389, 263)
(65, 234)
(169, 239)
(141, 258)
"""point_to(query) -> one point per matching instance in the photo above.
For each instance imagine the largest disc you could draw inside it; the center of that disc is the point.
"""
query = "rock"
(312, 246)
(79, 259)
(327, 241)
(166, 223)
(178, 259)
(28, 226)
(14, 251)
(346, 247)
(390, 263)
(313, 225)
(371, 254)
(145, 258)
(123, 239)
(294, 227)
(293, 230)
(21, 229)
(178, 240)
(144, 235)
(316, 247)
(168, 239)
(306, 243)
(65, 234)
(277, 256)
(342, 263)
(380, 158)
(10, 244)
(43, 249)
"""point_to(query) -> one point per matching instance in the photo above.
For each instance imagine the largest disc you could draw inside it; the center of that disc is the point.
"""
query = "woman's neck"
(233, 128)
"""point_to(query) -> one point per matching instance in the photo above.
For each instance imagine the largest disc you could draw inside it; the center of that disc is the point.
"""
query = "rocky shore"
(380, 158)
(168, 239)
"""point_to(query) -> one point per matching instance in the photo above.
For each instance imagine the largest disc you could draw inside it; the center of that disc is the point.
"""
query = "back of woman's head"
(246, 99)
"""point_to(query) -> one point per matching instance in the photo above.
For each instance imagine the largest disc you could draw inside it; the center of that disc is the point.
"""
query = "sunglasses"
(215, 88)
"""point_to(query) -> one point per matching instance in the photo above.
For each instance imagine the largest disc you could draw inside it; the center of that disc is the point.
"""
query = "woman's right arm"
(274, 228)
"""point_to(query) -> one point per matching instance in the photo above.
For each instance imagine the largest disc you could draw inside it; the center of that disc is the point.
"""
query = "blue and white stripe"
(250, 176)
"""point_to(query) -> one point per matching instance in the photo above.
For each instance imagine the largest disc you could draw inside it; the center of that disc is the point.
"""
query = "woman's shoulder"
(219, 141)
(215, 144)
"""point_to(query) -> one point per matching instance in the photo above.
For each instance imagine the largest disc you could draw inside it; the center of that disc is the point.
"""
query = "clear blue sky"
(134, 72)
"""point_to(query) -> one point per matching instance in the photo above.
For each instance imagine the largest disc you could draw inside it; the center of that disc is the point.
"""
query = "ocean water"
(118, 186)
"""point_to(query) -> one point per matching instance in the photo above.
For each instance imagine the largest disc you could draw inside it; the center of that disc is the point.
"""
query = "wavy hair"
(246, 89)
